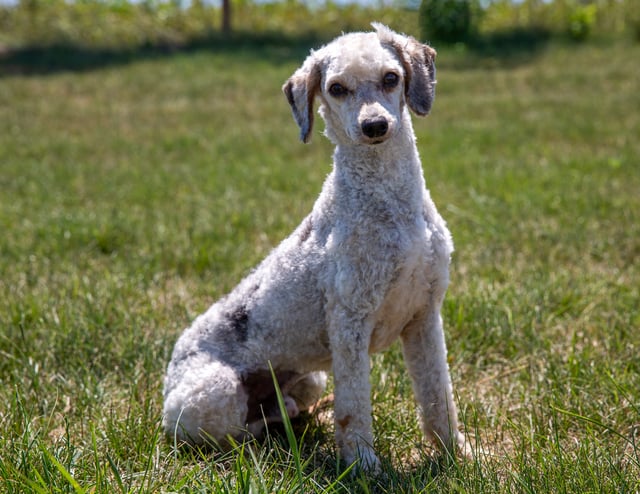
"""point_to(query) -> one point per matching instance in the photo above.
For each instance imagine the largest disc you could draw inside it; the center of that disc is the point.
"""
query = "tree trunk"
(226, 16)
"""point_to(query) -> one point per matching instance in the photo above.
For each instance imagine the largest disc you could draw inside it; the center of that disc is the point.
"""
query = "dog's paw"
(291, 407)
(363, 460)
(464, 447)
(368, 461)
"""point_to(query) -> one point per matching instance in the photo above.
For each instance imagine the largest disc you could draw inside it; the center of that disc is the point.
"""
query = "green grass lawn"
(135, 193)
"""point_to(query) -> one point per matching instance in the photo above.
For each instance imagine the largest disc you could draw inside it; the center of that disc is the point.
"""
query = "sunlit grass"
(133, 195)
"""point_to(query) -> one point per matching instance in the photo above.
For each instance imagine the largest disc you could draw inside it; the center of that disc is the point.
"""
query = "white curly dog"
(368, 265)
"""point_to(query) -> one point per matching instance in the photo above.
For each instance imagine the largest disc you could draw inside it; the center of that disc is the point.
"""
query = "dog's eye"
(337, 90)
(390, 80)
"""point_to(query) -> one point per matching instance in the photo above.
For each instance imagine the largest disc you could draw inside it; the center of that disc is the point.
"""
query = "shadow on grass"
(505, 48)
(73, 57)
(417, 478)
(319, 461)
(508, 48)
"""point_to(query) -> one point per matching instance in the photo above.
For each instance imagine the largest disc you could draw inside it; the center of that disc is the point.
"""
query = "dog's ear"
(419, 65)
(300, 90)
(420, 88)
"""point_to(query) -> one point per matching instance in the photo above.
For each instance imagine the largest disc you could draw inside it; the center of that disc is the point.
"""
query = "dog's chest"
(419, 273)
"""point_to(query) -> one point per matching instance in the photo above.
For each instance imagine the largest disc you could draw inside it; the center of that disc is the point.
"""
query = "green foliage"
(582, 21)
(632, 17)
(95, 24)
(446, 20)
(120, 25)
(576, 19)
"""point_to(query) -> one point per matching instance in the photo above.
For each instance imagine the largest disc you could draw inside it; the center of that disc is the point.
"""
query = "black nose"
(375, 127)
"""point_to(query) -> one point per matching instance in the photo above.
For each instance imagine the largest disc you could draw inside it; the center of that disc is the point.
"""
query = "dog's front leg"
(349, 339)
(425, 355)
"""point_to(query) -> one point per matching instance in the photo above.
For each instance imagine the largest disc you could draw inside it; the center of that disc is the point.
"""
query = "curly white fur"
(368, 265)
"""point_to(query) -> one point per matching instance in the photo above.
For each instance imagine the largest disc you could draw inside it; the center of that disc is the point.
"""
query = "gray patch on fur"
(239, 321)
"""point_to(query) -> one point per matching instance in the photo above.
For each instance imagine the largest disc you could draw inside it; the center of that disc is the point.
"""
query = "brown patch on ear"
(300, 90)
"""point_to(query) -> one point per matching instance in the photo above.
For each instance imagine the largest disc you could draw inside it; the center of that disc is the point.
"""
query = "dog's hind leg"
(308, 389)
(299, 392)
(206, 404)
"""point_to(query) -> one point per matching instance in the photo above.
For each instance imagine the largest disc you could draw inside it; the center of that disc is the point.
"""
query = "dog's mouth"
(376, 141)
(368, 141)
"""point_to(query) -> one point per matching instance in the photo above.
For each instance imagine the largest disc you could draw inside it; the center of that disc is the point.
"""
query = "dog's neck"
(393, 159)
(391, 169)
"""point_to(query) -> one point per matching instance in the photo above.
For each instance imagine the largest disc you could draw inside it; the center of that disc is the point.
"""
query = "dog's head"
(364, 81)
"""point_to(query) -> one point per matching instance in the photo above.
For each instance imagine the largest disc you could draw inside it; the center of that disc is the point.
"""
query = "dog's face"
(361, 90)
(364, 81)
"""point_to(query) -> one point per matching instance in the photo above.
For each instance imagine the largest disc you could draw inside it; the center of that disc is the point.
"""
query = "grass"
(136, 192)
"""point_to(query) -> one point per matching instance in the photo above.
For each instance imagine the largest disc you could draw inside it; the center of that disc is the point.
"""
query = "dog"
(368, 265)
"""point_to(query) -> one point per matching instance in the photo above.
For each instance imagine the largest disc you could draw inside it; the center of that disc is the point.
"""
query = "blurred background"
(171, 24)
